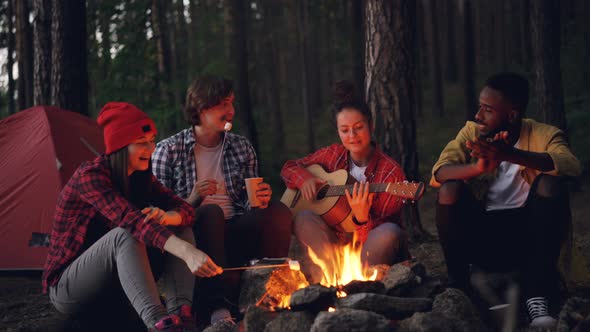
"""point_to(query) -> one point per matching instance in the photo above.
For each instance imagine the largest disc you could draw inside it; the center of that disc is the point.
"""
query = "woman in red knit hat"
(110, 217)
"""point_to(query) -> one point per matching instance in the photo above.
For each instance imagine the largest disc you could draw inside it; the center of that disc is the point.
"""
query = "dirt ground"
(23, 308)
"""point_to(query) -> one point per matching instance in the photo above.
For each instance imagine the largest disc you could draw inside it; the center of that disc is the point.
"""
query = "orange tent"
(40, 148)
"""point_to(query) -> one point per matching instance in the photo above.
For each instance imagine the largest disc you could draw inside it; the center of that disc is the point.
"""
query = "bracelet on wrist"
(356, 221)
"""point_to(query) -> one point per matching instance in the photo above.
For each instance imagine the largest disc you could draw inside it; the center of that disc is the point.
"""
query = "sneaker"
(539, 313)
(187, 318)
(170, 323)
(222, 315)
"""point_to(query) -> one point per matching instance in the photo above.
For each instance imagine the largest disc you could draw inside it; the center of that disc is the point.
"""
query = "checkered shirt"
(174, 165)
(89, 196)
(381, 169)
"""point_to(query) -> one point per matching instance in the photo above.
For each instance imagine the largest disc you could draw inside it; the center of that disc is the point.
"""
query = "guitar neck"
(340, 190)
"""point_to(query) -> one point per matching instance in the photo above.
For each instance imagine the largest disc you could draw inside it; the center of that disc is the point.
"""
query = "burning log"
(313, 298)
(388, 306)
(269, 288)
(381, 271)
(358, 286)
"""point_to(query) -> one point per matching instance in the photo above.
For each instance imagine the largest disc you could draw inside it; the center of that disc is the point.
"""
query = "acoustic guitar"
(330, 202)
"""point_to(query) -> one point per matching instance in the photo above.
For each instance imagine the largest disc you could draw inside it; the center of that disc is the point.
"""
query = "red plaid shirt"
(89, 196)
(381, 168)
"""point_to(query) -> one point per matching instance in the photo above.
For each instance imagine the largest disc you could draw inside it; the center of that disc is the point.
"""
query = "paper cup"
(251, 187)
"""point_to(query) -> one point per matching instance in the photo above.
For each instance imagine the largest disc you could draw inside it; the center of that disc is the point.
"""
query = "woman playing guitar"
(377, 214)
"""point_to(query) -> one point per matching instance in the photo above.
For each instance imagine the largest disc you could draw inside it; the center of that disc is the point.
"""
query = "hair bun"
(344, 93)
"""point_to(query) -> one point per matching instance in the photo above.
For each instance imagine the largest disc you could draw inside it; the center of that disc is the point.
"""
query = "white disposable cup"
(251, 187)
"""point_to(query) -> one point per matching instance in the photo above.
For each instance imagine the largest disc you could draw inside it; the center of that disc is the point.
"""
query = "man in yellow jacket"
(503, 204)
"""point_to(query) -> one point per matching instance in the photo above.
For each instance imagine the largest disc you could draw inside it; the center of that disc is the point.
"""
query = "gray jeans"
(385, 244)
(119, 261)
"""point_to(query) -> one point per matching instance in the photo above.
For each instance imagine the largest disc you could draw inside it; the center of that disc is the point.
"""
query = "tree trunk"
(302, 21)
(160, 28)
(391, 87)
(42, 52)
(104, 24)
(545, 34)
(500, 34)
(420, 58)
(239, 54)
(451, 63)
(468, 61)
(271, 53)
(193, 38)
(525, 35)
(357, 44)
(10, 56)
(69, 72)
(24, 54)
(438, 102)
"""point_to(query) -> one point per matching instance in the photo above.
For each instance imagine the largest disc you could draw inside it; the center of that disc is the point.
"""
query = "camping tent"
(40, 148)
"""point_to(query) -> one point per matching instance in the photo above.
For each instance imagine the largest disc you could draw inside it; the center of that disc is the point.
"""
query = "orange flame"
(342, 264)
(286, 300)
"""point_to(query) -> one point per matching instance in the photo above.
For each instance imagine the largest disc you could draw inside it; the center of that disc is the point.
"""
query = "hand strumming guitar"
(360, 201)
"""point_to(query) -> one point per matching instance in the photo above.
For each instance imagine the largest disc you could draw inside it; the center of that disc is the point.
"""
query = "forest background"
(420, 64)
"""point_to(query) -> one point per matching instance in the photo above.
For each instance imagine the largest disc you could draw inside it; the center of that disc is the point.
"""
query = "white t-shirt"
(208, 161)
(357, 172)
(509, 190)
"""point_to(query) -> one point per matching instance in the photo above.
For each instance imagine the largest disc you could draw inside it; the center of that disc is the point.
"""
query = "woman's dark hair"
(136, 187)
(203, 93)
(346, 96)
(514, 87)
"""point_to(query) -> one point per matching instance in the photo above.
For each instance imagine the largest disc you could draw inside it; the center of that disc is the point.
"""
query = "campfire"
(340, 265)
(343, 265)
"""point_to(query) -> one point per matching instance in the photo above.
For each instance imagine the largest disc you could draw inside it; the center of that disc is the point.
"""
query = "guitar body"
(335, 210)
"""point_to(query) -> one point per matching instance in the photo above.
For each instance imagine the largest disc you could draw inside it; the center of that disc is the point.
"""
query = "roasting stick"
(293, 265)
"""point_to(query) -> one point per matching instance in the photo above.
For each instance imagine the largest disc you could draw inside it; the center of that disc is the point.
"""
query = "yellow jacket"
(534, 137)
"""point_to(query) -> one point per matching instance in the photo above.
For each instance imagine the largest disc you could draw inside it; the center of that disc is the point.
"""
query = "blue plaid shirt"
(173, 163)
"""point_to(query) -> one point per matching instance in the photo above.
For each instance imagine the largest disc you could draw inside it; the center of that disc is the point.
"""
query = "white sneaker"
(543, 321)
(539, 313)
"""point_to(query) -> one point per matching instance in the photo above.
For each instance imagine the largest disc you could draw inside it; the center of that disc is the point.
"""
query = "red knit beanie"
(123, 123)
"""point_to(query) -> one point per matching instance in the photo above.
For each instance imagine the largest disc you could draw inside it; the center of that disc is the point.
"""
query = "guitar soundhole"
(322, 192)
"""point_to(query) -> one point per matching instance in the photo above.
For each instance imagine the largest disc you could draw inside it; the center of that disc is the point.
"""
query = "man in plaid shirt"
(206, 165)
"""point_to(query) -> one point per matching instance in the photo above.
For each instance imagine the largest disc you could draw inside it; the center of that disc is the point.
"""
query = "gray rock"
(291, 321)
(388, 306)
(223, 326)
(350, 320)
(454, 304)
(399, 280)
(429, 288)
(313, 298)
(428, 322)
(257, 318)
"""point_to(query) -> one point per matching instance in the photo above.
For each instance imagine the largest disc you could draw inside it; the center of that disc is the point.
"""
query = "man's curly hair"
(203, 93)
